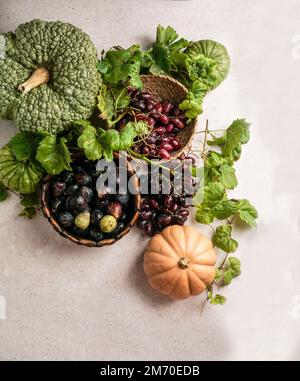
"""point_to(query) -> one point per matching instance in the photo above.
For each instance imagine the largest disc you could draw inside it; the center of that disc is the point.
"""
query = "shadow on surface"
(139, 281)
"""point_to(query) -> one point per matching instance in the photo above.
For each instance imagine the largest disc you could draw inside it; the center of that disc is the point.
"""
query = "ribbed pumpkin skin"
(162, 256)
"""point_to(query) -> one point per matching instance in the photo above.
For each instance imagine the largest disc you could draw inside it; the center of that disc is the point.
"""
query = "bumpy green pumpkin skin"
(215, 51)
(70, 57)
(20, 176)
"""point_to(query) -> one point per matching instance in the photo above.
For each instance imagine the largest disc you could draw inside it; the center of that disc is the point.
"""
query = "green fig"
(83, 220)
(108, 224)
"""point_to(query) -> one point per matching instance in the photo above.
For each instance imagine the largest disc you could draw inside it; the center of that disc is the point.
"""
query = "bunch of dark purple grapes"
(82, 210)
(165, 120)
(161, 210)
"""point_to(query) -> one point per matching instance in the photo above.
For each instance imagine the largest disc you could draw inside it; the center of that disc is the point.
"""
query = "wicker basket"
(83, 241)
(164, 88)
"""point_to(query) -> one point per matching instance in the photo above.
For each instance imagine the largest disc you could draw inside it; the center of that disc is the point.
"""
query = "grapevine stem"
(118, 118)
(203, 305)
(223, 262)
(147, 160)
(231, 221)
(205, 138)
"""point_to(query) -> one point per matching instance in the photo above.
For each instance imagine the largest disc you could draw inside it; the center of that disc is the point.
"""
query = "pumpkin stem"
(37, 78)
(183, 263)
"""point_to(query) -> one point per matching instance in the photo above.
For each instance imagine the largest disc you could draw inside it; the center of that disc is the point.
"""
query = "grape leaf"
(232, 270)
(215, 159)
(216, 299)
(204, 214)
(165, 48)
(21, 145)
(219, 168)
(121, 97)
(28, 212)
(165, 36)
(222, 239)
(214, 192)
(236, 134)
(119, 65)
(88, 141)
(224, 209)
(228, 177)
(161, 58)
(247, 212)
(141, 128)
(218, 275)
(127, 135)
(29, 200)
(237, 151)
(110, 141)
(106, 103)
(54, 155)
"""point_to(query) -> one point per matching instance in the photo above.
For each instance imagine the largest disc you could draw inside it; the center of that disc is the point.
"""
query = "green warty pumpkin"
(48, 76)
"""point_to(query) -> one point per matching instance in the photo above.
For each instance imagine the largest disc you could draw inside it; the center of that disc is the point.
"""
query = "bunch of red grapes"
(165, 120)
(161, 210)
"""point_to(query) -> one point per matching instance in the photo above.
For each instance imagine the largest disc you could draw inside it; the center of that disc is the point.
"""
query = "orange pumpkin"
(180, 262)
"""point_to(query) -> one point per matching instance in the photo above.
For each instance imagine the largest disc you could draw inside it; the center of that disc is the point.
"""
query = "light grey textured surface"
(69, 302)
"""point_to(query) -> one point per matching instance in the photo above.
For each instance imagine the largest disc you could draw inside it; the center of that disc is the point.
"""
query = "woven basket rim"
(83, 241)
(168, 77)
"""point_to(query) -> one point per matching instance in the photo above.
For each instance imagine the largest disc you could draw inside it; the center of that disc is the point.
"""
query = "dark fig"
(79, 232)
(82, 178)
(96, 216)
(86, 193)
(101, 204)
(79, 203)
(96, 235)
(56, 205)
(58, 188)
(65, 219)
(120, 227)
(71, 190)
(67, 177)
(115, 209)
(123, 218)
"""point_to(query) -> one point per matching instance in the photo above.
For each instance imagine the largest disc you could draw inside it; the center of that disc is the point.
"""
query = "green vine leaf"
(232, 270)
(247, 212)
(89, 142)
(216, 299)
(54, 155)
(223, 240)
